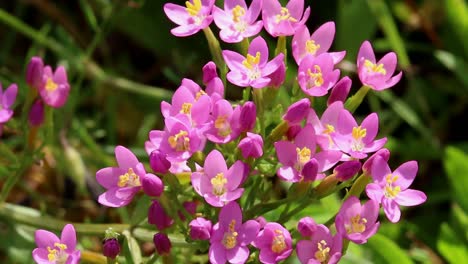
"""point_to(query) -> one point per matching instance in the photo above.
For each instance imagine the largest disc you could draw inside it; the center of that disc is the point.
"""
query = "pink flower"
(347, 170)
(124, 181)
(274, 243)
(231, 237)
(319, 42)
(51, 249)
(377, 75)
(321, 248)
(391, 188)
(299, 160)
(367, 166)
(356, 140)
(218, 184)
(254, 69)
(222, 130)
(244, 117)
(340, 91)
(284, 21)
(237, 21)
(200, 228)
(316, 74)
(297, 111)
(7, 99)
(251, 146)
(306, 226)
(196, 15)
(214, 85)
(355, 222)
(55, 88)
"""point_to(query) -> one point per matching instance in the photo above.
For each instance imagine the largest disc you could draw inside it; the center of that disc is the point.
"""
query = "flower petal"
(68, 237)
(45, 238)
(410, 197)
(125, 158)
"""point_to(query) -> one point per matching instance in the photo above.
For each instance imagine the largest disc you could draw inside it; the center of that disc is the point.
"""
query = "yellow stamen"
(279, 243)
(222, 124)
(390, 190)
(199, 94)
(316, 76)
(250, 61)
(311, 47)
(194, 8)
(174, 141)
(237, 12)
(284, 15)
(52, 256)
(186, 108)
(330, 129)
(60, 245)
(359, 133)
(303, 155)
(129, 179)
(51, 85)
(375, 68)
(219, 182)
(323, 252)
(358, 225)
(230, 237)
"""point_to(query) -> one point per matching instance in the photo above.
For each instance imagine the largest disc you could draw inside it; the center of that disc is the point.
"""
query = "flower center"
(219, 182)
(237, 13)
(250, 61)
(375, 68)
(284, 15)
(323, 252)
(303, 155)
(51, 85)
(186, 108)
(278, 244)
(180, 141)
(230, 237)
(193, 9)
(129, 179)
(199, 94)
(57, 254)
(358, 134)
(357, 225)
(222, 124)
(390, 190)
(311, 47)
(316, 76)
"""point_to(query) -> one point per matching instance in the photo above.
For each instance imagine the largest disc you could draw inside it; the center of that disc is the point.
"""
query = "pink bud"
(159, 162)
(293, 131)
(209, 72)
(34, 72)
(340, 91)
(347, 170)
(251, 146)
(158, 217)
(310, 170)
(111, 248)
(384, 153)
(248, 116)
(162, 243)
(297, 111)
(36, 114)
(277, 77)
(200, 229)
(261, 221)
(152, 185)
(306, 226)
(190, 207)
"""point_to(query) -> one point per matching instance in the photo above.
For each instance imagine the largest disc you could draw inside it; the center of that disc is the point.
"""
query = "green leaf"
(141, 210)
(132, 251)
(450, 246)
(388, 251)
(456, 166)
(455, 64)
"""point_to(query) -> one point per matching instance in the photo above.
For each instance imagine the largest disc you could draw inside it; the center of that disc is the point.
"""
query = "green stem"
(281, 47)
(215, 50)
(353, 103)
(358, 186)
(244, 46)
(259, 102)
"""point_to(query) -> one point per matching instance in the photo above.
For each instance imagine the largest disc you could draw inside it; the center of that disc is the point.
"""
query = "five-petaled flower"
(196, 15)
(54, 250)
(284, 21)
(274, 243)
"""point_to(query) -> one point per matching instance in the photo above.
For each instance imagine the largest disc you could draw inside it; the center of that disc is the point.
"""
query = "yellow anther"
(358, 225)
(390, 190)
(194, 8)
(279, 243)
(179, 141)
(329, 129)
(222, 124)
(129, 179)
(373, 67)
(186, 108)
(284, 15)
(52, 256)
(230, 237)
(61, 246)
(237, 12)
(51, 85)
(219, 182)
(311, 47)
(359, 133)
(303, 155)
(199, 94)
(316, 76)
(323, 252)
(250, 61)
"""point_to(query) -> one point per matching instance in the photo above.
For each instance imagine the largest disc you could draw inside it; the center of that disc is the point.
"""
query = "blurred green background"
(123, 62)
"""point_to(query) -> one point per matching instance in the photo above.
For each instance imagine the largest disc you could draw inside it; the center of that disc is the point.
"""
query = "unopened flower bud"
(306, 226)
(251, 146)
(152, 185)
(297, 111)
(157, 216)
(293, 131)
(36, 114)
(111, 248)
(200, 229)
(158, 162)
(347, 170)
(162, 243)
(261, 221)
(209, 72)
(277, 77)
(310, 170)
(367, 166)
(340, 91)
(34, 72)
(248, 116)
